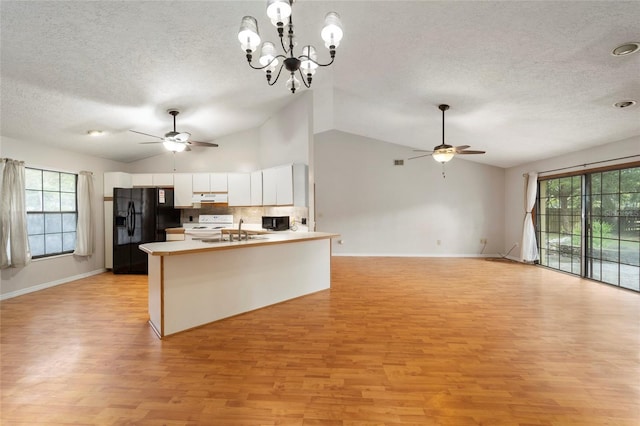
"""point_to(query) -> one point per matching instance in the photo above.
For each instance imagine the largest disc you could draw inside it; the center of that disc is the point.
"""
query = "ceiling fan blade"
(421, 150)
(209, 144)
(419, 156)
(470, 152)
(144, 143)
(146, 134)
(462, 147)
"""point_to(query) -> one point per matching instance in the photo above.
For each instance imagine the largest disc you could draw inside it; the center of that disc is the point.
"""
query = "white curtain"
(85, 224)
(529, 247)
(14, 241)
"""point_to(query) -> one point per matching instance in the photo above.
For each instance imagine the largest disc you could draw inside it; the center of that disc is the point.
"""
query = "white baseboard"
(49, 284)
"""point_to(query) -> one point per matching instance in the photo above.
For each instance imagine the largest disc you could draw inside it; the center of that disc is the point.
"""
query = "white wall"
(43, 273)
(382, 209)
(515, 183)
(235, 153)
(285, 137)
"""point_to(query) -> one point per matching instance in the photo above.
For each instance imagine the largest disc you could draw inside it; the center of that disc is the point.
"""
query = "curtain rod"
(585, 164)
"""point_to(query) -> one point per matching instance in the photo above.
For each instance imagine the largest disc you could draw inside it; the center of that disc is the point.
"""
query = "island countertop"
(172, 248)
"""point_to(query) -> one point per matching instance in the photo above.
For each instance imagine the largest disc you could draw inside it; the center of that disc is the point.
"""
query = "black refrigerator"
(140, 215)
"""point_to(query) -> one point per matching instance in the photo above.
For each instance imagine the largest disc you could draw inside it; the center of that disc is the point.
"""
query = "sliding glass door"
(589, 225)
(559, 223)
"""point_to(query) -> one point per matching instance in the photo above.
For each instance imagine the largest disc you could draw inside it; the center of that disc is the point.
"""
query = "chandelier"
(279, 11)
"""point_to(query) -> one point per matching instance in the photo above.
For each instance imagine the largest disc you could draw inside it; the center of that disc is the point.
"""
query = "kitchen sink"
(225, 240)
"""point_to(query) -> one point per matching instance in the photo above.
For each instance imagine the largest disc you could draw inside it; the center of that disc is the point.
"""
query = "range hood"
(210, 198)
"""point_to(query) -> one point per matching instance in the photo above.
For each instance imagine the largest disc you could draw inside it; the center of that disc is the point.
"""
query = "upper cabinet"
(142, 179)
(239, 188)
(285, 185)
(219, 182)
(201, 182)
(115, 180)
(277, 186)
(256, 188)
(162, 179)
(152, 179)
(210, 182)
(269, 187)
(182, 190)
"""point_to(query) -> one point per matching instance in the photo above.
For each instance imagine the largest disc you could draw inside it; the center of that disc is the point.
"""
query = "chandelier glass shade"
(305, 64)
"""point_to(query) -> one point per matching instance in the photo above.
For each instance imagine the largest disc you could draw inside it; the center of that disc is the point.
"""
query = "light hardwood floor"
(394, 341)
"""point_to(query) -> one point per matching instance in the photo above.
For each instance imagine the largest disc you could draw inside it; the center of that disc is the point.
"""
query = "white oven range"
(208, 226)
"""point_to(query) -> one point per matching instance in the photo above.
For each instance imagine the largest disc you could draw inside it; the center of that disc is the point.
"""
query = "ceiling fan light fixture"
(174, 146)
(95, 133)
(443, 156)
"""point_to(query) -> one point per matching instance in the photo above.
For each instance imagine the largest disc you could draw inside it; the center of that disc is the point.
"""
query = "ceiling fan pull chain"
(443, 175)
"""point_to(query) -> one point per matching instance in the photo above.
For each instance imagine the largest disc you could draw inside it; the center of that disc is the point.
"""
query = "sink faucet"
(240, 222)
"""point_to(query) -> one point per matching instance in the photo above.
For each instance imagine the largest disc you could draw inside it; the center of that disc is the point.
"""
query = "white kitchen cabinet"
(256, 188)
(141, 179)
(182, 190)
(201, 182)
(210, 182)
(239, 189)
(269, 187)
(218, 182)
(285, 185)
(115, 180)
(162, 179)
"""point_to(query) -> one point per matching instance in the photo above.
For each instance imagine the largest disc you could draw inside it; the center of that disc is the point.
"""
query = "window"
(51, 211)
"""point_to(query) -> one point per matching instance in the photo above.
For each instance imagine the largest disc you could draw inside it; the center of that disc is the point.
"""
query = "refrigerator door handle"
(129, 231)
(133, 218)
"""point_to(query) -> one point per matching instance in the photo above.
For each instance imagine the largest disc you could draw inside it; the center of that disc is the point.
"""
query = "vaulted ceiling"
(525, 80)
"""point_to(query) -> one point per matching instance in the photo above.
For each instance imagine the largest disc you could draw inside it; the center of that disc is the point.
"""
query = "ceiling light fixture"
(279, 11)
(443, 153)
(174, 146)
(624, 104)
(95, 132)
(626, 49)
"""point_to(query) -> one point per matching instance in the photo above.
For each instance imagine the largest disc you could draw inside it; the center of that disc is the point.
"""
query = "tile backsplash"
(252, 215)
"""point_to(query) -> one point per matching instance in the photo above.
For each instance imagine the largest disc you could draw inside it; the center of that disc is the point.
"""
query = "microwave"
(275, 223)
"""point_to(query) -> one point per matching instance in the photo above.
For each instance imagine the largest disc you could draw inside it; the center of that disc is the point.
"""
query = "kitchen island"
(192, 283)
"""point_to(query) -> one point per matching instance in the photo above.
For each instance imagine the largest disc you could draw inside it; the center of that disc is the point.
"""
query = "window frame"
(60, 211)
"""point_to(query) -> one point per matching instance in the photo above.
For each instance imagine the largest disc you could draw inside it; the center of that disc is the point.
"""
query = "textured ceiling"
(525, 80)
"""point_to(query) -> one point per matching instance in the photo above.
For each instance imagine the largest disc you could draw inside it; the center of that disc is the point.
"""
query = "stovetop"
(211, 221)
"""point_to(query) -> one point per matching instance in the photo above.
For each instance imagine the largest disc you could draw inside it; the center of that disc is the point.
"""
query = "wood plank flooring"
(395, 341)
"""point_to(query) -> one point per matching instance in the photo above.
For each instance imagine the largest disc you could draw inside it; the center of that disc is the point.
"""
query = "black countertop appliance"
(275, 223)
(140, 215)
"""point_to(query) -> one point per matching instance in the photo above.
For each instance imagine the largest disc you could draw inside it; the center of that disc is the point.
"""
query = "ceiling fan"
(443, 152)
(176, 141)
